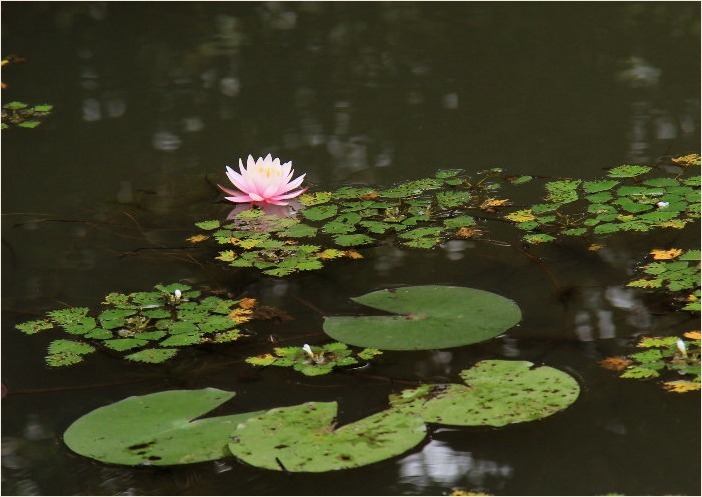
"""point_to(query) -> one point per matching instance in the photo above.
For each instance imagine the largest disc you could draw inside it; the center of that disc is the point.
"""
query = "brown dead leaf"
(693, 335)
(615, 363)
(197, 238)
(664, 255)
(369, 196)
(595, 247)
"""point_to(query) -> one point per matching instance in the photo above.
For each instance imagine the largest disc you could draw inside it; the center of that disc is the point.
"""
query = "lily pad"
(304, 438)
(156, 429)
(496, 393)
(426, 317)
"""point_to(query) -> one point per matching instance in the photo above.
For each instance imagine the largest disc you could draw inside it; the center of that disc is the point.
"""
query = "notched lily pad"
(304, 438)
(495, 393)
(156, 429)
(426, 317)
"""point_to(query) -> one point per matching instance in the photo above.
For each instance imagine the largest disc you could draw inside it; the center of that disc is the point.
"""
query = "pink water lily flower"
(264, 181)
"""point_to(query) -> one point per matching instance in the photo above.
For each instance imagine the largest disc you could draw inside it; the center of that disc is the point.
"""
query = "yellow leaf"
(594, 247)
(693, 335)
(615, 363)
(240, 315)
(686, 160)
(197, 238)
(521, 216)
(673, 223)
(644, 283)
(353, 254)
(681, 386)
(331, 254)
(661, 254)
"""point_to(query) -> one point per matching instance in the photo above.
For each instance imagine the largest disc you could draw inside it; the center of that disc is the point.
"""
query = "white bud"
(177, 294)
(681, 347)
(308, 350)
(662, 205)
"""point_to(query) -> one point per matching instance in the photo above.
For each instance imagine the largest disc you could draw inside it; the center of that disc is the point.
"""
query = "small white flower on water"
(177, 294)
(681, 347)
(662, 205)
(308, 350)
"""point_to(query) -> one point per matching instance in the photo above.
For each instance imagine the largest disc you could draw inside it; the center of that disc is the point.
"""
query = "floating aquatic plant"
(629, 199)
(306, 438)
(676, 272)
(425, 317)
(157, 429)
(672, 354)
(313, 361)
(24, 115)
(495, 393)
(150, 326)
(263, 181)
(420, 213)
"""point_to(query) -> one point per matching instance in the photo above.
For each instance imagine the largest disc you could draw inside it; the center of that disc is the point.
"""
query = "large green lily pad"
(156, 429)
(427, 317)
(304, 438)
(496, 393)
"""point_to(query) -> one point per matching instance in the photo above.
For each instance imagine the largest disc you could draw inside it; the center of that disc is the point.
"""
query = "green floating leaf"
(208, 225)
(496, 393)
(70, 346)
(153, 356)
(32, 327)
(15, 106)
(459, 222)
(426, 317)
(599, 186)
(43, 108)
(320, 212)
(627, 171)
(68, 316)
(156, 429)
(352, 240)
(29, 124)
(121, 344)
(562, 192)
(63, 359)
(304, 438)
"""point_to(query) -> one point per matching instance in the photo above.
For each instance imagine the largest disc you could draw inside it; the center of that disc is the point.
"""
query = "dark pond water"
(152, 100)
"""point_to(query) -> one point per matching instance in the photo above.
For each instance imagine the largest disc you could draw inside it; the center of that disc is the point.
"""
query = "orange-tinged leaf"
(197, 238)
(369, 196)
(681, 386)
(247, 303)
(615, 363)
(693, 335)
(241, 315)
(490, 204)
(466, 232)
(353, 254)
(595, 247)
(662, 254)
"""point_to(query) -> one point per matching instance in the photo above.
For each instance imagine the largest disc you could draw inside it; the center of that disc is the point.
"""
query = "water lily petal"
(240, 198)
